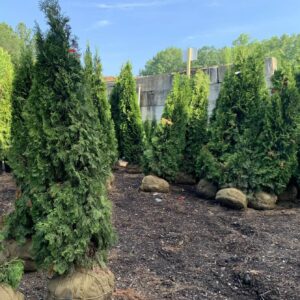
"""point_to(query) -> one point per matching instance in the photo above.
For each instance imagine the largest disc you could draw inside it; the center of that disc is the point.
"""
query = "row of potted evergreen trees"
(251, 140)
(64, 142)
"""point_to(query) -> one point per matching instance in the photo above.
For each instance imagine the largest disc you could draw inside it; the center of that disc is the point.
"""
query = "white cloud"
(132, 5)
(99, 24)
(102, 23)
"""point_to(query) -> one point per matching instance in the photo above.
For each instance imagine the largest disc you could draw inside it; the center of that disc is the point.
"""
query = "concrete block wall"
(153, 90)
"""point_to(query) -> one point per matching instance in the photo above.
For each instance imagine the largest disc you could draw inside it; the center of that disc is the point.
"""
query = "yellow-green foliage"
(6, 78)
(11, 271)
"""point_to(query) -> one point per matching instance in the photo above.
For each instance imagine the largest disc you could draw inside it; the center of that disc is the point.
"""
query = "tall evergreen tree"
(253, 135)
(19, 136)
(276, 149)
(6, 79)
(165, 155)
(127, 117)
(196, 135)
(236, 121)
(96, 88)
(69, 210)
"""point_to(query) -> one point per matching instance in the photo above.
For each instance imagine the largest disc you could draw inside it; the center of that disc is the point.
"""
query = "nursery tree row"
(251, 140)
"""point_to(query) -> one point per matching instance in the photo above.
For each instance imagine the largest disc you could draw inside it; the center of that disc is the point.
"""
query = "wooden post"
(188, 62)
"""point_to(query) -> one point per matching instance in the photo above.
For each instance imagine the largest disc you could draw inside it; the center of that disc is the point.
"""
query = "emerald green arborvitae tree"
(69, 216)
(165, 156)
(127, 117)
(96, 89)
(253, 136)
(276, 149)
(19, 135)
(235, 122)
(6, 79)
(196, 135)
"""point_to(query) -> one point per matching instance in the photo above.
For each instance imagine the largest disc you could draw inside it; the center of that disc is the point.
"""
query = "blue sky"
(136, 30)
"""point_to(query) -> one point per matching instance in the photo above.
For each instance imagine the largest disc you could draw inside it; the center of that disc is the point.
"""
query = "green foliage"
(196, 135)
(238, 111)
(166, 61)
(127, 117)
(149, 129)
(164, 157)
(96, 89)
(6, 79)
(285, 48)
(64, 207)
(252, 136)
(210, 56)
(19, 135)
(13, 40)
(11, 272)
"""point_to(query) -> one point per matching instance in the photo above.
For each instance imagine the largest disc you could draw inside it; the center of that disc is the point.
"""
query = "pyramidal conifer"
(19, 135)
(96, 89)
(165, 155)
(127, 117)
(196, 135)
(236, 121)
(276, 151)
(70, 215)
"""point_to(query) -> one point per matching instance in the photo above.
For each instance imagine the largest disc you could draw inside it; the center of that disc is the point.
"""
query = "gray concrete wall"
(153, 90)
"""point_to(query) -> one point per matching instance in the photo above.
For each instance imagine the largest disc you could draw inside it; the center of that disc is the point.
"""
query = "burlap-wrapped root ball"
(8, 293)
(82, 284)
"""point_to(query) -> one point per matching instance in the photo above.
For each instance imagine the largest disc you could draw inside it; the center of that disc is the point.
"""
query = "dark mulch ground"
(187, 248)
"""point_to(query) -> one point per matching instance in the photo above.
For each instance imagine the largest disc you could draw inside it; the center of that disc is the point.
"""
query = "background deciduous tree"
(166, 61)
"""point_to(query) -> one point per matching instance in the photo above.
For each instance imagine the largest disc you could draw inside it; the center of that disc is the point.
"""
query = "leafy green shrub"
(68, 213)
(6, 79)
(127, 117)
(164, 157)
(11, 272)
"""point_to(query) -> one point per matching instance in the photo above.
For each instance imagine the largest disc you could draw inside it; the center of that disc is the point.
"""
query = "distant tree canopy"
(13, 40)
(285, 48)
(166, 61)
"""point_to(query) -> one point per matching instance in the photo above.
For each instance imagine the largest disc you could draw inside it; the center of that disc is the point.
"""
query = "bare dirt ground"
(177, 246)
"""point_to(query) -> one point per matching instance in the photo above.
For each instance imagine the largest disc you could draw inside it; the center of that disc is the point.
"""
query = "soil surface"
(177, 246)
